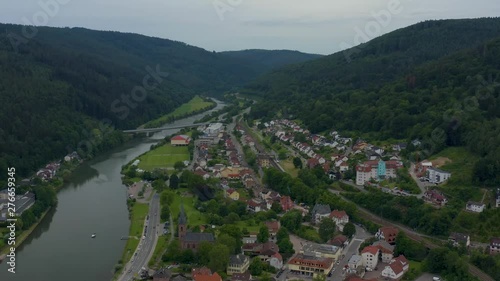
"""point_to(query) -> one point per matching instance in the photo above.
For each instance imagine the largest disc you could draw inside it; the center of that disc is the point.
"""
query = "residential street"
(147, 245)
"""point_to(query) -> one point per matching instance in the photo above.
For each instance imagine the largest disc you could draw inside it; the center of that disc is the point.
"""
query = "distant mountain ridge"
(272, 59)
(56, 87)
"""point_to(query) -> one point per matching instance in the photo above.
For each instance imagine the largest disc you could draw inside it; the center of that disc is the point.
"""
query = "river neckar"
(93, 201)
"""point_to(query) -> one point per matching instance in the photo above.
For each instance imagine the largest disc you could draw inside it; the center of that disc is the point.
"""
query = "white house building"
(475, 207)
(437, 176)
(397, 268)
(370, 255)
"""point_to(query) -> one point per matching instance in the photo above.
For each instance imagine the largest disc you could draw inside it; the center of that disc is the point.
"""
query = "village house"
(437, 176)
(387, 233)
(273, 227)
(397, 268)
(267, 252)
(386, 250)
(286, 203)
(191, 240)
(256, 205)
(233, 194)
(162, 275)
(340, 218)
(204, 274)
(264, 160)
(246, 276)
(319, 212)
(180, 140)
(310, 265)
(497, 198)
(475, 207)
(435, 197)
(494, 246)
(238, 264)
(458, 239)
(340, 241)
(355, 263)
(370, 255)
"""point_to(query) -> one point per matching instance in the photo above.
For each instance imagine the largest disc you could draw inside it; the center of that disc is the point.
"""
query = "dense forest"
(273, 59)
(436, 80)
(67, 89)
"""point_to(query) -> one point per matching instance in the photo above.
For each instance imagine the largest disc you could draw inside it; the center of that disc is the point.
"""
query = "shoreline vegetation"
(23, 236)
(195, 106)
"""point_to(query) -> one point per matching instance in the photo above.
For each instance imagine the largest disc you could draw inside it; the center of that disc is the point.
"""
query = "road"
(147, 245)
(422, 185)
(352, 249)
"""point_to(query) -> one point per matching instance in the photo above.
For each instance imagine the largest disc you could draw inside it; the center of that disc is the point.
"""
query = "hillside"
(271, 59)
(441, 85)
(57, 87)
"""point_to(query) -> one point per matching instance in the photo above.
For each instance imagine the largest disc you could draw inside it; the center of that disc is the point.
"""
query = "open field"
(196, 104)
(461, 165)
(194, 216)
(138, 215)
(289, 167)
(163, 157)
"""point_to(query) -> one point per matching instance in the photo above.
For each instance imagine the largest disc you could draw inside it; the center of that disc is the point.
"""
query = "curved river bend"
(94, 200)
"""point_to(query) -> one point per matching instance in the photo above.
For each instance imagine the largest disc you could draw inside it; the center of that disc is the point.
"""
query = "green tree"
(219, 258)
(179, 165)
(256, 266)
(203, 254)
(326, 229)
(230, 242)
(263, 235)
(297, 162)
(174, 181)
(165, 213)
(349, 230)
(319, 277)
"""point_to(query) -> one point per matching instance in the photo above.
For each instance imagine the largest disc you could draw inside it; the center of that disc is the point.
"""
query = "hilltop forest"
(436, 81)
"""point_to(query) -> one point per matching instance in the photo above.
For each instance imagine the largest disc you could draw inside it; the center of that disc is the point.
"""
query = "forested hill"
(374, 63)
(56, 87)
(271, 59)
(446, 96)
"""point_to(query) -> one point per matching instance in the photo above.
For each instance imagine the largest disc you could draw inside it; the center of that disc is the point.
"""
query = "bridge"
(155, 130)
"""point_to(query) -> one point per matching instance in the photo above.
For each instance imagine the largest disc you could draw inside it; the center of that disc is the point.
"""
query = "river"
(93, 200)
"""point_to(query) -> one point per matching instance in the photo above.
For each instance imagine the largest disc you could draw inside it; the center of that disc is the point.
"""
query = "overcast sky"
(313, 26)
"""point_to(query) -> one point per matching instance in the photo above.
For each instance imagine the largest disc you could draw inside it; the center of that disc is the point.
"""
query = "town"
(277, 236)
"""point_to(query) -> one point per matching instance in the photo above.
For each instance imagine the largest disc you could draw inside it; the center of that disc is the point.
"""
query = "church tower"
(182, 224)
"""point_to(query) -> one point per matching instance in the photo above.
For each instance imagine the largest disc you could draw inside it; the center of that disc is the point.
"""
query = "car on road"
(436, 279)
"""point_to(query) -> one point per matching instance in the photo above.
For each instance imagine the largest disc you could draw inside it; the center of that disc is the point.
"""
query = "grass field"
(194, 105)
(289, 167)
(250, 228)
(461, 166)
(194, 216)
(138, 215)
(163, 157)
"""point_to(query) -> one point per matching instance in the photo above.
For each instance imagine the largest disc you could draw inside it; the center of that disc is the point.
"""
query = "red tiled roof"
(180, 137)
(205, 274)
(323, 263)
(338, 214)
(370, 249)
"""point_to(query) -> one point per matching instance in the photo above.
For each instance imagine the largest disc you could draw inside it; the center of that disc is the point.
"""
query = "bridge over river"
(155, 130)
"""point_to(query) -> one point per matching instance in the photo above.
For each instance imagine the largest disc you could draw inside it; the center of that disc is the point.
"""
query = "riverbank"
(21, 238)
